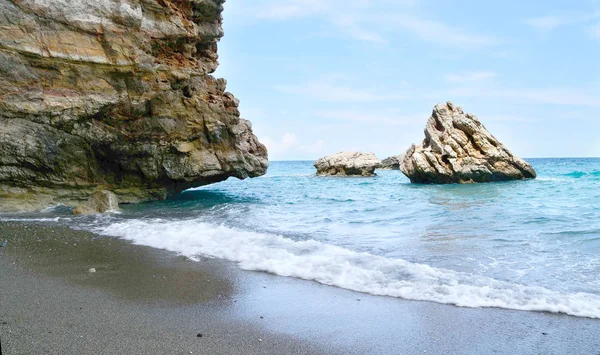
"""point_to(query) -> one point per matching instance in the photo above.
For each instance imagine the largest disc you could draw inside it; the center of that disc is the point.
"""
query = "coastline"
(144, 300)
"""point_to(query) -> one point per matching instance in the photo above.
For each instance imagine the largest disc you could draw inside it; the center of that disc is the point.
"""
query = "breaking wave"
(337, 266)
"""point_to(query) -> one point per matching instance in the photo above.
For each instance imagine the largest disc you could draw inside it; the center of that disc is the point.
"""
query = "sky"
(320, 76)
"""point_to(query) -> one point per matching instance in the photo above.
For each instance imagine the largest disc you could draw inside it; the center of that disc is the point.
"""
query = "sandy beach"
(146, 301)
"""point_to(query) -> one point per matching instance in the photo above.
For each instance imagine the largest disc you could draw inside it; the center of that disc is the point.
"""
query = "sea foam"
(32, 219)
(337, 266)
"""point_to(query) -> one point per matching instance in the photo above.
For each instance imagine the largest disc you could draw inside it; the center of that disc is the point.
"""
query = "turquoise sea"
(528, 245)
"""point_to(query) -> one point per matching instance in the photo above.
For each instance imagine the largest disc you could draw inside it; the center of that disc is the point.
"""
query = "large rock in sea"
(348, 164)
(458, 149)
(115, 95)
(391, 163)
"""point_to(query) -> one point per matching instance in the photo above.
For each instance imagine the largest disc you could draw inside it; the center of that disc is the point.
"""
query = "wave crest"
(337, 266)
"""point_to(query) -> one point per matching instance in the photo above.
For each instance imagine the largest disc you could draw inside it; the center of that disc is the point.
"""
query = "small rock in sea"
(92, 270)
(199, 335)
(392, 163)
(348, 164)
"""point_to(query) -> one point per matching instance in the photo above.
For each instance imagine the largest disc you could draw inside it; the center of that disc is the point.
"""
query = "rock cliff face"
(115, 95)
(458, 149)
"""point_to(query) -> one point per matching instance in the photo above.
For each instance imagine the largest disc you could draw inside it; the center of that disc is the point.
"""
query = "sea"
(529, 245)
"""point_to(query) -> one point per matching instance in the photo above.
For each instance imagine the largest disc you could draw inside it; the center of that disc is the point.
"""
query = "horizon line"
(297, 160)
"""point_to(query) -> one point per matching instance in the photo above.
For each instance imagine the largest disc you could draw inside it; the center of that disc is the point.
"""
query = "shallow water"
(530, 245)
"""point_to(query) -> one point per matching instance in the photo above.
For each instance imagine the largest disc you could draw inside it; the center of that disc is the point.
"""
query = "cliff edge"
(115, 95)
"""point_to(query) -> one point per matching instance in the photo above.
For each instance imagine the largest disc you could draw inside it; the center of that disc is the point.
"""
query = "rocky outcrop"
(100, 202)
(391, 163)
(348, 164)
(458, 149)
(116, 95)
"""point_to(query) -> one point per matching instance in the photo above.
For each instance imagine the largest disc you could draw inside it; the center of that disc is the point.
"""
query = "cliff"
(115, 94)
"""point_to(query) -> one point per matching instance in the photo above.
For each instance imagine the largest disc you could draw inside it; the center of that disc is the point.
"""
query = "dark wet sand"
(146, 301)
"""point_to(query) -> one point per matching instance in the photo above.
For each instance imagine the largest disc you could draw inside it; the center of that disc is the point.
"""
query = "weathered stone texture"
(458, 149)
(348, 164)
(115, 94)
(391, 163)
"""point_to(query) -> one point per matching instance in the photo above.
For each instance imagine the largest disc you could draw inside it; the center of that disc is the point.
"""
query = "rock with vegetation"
(391, 163)
(459, 149)
(115, 95)
(348, 164)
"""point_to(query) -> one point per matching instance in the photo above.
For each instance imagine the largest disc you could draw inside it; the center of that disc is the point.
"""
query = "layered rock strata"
(348, 164)
(115, 95)
(458, 149)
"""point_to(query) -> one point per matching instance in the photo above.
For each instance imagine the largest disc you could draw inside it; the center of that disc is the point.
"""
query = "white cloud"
(331, 92)
(371, 21)
(548, 23)
(432, 31)
(326, 90)
(352, 29)
(376, 118)
(510, 118)
(555, 96)
(471, 77)
(594, 31)
(316, 147)
(292, 9)
(343, 15)
(287, 141)
(551, 22)
(289, 144)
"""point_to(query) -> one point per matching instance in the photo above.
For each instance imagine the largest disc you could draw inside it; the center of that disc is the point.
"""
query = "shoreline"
(144, 300)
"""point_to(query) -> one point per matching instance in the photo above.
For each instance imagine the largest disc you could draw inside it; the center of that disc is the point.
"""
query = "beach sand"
(141, 300)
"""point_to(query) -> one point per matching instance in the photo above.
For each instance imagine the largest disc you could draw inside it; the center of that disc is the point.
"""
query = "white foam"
(27, 219)
(552, 179)
(53, 208)
(336, 266)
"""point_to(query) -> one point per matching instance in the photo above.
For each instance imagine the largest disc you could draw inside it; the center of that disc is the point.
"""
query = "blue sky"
(320, 76)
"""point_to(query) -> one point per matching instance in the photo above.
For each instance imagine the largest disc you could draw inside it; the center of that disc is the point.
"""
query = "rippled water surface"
(531, 245)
